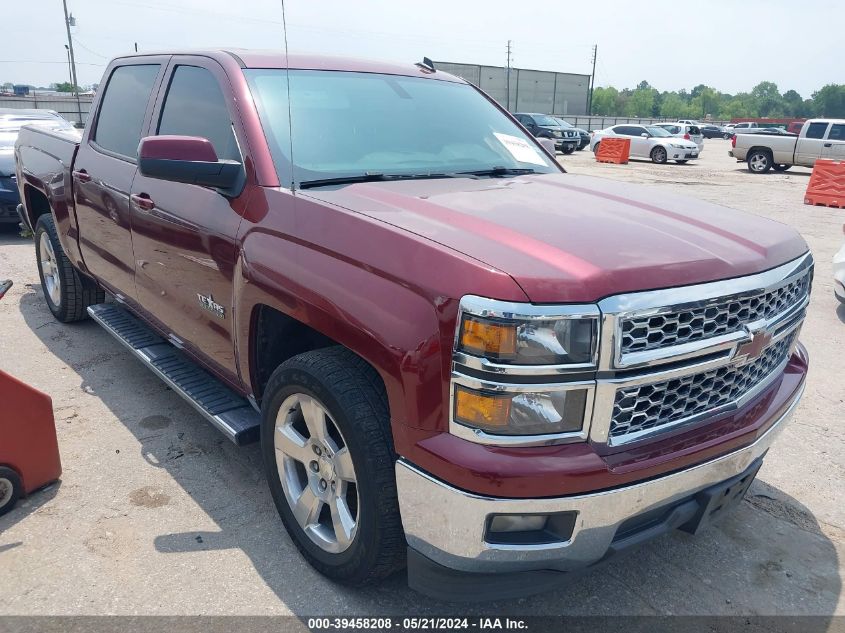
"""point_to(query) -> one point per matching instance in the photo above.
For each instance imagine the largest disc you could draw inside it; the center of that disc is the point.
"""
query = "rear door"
(639, 145)
(185, 243)
(104, 169)
(834, 146)
(809, 147)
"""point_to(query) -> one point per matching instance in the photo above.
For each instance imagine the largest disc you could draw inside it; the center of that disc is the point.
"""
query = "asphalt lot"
(157, 513)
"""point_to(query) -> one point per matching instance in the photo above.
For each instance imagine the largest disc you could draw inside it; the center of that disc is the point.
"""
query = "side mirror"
(644, 134)
(548, 145)
(188, 159)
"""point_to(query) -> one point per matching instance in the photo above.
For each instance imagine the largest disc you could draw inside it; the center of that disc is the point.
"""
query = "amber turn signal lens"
(481, 410)
(488, 338)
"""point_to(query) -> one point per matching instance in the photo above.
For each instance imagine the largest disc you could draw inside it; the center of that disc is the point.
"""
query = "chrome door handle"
(142, 201)
(81, 175)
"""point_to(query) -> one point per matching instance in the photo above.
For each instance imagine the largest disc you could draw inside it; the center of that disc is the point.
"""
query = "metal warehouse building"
(531, 90)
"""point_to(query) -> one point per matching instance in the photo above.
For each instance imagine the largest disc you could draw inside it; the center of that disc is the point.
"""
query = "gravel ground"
(157, 513)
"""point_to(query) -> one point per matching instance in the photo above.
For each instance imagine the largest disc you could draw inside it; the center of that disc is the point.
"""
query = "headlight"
(511, 338)
(498, 347)
(556, 134)
(520, 413)
(679, 145)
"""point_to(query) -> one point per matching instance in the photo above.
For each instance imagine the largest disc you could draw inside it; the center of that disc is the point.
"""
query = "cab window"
(816, 130)
(123, 108)
(195, 106)
(837, 132)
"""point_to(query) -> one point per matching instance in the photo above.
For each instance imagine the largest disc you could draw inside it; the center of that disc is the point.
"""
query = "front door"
(103, 173)
(184, 235)
(834, 146)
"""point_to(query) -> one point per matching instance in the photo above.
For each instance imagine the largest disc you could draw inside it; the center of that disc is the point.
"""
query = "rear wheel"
(658, 155)
(759, 161)
(11, 489)
(781, 167)
(328, 457)
(67, 293)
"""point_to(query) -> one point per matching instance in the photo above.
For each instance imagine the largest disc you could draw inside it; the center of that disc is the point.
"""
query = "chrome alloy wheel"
(50, 270)
(316, 471)
(759, 162)
(7, 489)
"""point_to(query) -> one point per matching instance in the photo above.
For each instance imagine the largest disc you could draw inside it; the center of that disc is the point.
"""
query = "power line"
(76, 41)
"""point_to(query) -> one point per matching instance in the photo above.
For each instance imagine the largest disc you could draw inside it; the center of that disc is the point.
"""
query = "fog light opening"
(530, 529)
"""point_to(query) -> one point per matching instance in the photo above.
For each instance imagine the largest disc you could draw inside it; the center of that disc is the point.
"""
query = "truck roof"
(251, 58)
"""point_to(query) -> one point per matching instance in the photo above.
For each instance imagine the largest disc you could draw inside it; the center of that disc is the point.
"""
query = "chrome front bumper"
(447, 525)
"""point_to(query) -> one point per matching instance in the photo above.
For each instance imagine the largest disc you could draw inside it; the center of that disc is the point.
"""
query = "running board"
(229, 412)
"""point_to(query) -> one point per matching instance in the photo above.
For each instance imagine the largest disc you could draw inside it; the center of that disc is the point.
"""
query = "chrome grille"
(654, 406)
(641, 333)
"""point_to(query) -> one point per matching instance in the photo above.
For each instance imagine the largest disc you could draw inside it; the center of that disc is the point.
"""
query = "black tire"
(11, 489)
(726, 136)
(659, 155)
(781, 167)
(596, 148)
(76, 292)
(681, 162)
(759, 161)
(353, 395)
(568, 149)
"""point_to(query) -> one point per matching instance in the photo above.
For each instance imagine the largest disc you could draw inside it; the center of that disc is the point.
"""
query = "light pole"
(69, 71)
(68, 21)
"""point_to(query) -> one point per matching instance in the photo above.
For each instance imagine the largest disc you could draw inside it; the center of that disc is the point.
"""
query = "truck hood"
(568, 238)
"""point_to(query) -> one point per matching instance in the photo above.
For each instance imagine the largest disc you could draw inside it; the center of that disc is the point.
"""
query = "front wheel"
(67, 293)
(568, 149)
(596, 148)
(11, 489)
(329, 460)
(759, 161)
(658, 155)
(781, 167)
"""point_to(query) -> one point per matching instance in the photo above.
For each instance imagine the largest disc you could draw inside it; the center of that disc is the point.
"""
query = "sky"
(730, 45)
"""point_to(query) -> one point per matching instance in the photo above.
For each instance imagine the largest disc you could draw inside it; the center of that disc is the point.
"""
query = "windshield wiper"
(501, 171)
(378, 177)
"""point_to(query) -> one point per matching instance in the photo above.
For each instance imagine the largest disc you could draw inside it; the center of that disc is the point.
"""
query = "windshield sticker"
(520, 149)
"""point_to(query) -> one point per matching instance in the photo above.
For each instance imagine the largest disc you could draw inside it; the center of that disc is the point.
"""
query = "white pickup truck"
(819, 138)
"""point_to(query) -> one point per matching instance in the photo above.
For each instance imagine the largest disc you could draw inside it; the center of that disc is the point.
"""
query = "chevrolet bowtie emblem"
(751, 350)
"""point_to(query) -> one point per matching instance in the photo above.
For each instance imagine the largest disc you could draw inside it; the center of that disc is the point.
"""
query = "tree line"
(764, 100)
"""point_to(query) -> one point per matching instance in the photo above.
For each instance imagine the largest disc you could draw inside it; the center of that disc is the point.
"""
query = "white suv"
(687, 131)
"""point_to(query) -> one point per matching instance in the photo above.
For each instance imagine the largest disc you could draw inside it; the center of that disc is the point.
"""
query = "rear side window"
(122, 110)
(628, 130)
(816, 130)
(195, 106)
(693, 129)
(837, 132)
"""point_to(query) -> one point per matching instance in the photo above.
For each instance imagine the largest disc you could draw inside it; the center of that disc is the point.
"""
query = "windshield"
(350, 124)
(657, 131)
(563, 123)
(544, 120)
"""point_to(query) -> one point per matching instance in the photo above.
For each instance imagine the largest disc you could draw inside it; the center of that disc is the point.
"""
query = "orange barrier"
(614, 150)
(29, 452)
(827, 184)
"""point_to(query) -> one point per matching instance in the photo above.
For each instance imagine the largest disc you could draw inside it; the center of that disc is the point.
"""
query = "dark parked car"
(585, 135)
(545, 126)
(714, 131)
(11, 122)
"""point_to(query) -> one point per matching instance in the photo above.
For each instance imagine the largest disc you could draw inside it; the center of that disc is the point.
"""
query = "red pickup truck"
(457, 357)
